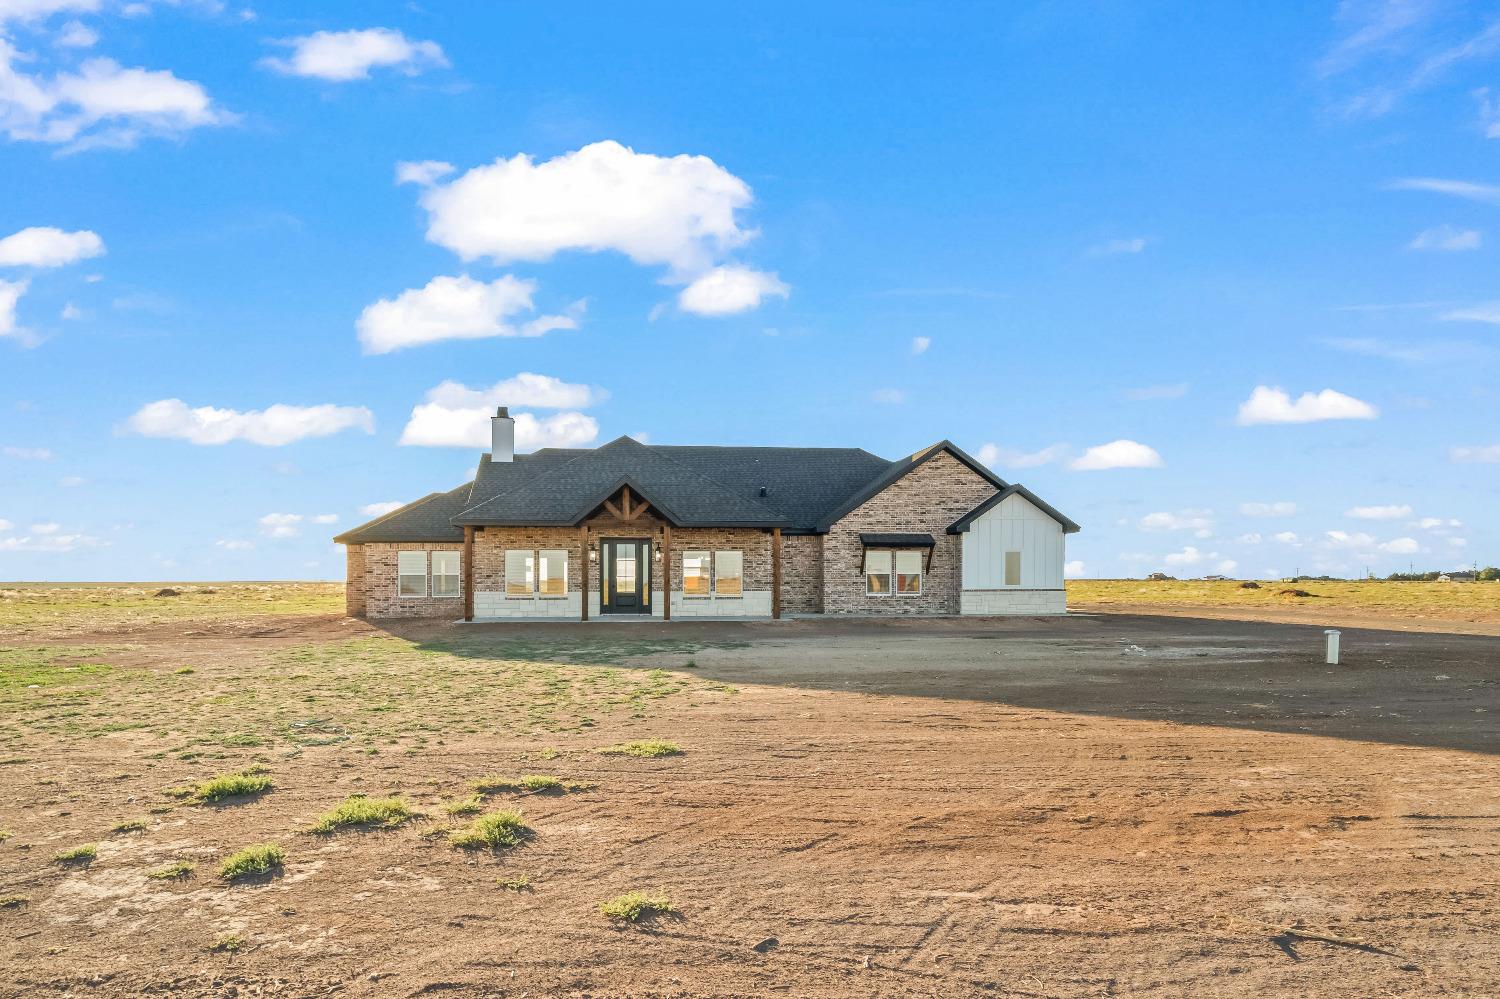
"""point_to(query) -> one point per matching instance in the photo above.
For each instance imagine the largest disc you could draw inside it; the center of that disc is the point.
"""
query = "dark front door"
(626, 578)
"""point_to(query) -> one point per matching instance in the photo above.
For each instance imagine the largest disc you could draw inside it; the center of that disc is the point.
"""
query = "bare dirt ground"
(1098, 805)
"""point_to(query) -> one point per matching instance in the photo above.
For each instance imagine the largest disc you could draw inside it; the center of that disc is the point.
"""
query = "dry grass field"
(237, 791)
(1373, 603)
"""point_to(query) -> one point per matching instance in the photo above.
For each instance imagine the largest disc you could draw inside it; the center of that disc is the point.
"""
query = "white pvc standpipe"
(1333, 646)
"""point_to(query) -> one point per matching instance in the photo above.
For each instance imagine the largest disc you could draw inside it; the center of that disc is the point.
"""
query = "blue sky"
(1219, 284)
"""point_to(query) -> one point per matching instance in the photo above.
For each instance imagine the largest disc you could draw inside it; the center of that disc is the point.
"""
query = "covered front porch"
(627, 560)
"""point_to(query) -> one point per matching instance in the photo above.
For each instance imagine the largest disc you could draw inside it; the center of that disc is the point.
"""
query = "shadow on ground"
(1403, 688)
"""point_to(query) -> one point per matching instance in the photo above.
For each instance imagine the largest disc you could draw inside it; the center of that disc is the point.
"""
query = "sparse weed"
(130, 826)
(361, 811)
(262, 858)
(522, 883)
(175, 871)
(227, 944)
(244, 784)
(531, 784)
(78, 855)
(472, 805)
(185, 671)
(645, 748)
(495, 831)
(634, 906)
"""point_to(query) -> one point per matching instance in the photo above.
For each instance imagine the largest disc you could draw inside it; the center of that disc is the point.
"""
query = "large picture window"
(1012, 568)
(411, 574)
(445, 581)
(520, 578)
(552, 573)
(909, 574)
(729, 578)
(695, 574)
(878, 572)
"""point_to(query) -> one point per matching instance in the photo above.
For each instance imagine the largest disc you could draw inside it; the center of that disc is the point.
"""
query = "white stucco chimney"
(502, 436)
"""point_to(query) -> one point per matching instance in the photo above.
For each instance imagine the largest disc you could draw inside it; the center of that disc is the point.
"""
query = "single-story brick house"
(747, 532)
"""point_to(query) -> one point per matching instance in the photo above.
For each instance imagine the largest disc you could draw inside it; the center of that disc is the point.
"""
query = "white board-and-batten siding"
(1013, 525)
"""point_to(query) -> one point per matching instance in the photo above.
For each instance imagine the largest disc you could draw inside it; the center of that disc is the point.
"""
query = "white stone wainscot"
(493, 605)
(754, 603)
(1013, 601)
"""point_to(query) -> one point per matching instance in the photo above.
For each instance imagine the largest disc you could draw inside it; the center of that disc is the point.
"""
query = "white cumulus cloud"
(1273, 405)
(1201, 522)
(423, 172)
(29, 453)
(1401, 546)
(10, 296)
(1188, 556)
(342, 56)
(1117, 454)
(996, 456)
(1448, 238)
(281, 525)
(28, 10)
(234, 545)
(273, 426)
(1280, 508)
(1073, 569)
(455, 415)
(102, 104)
(676, 211)
(1485, 454)
(380, 509)
(455, 308)
(729, 289)
(1391, 512)
(48, 246)
(919, 344)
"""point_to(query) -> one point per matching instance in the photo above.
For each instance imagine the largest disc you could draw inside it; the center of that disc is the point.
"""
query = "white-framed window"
(552, 573)
(411, 574)
(520, 572)
(909, 574)
(1012, 568)
(445, 581)
(695, 574)
(877, 572)
(729, 575)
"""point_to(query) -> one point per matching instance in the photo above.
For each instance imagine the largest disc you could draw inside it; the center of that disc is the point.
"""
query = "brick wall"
(924, 501)
(380, 596)
(801, 574)
(354, 581)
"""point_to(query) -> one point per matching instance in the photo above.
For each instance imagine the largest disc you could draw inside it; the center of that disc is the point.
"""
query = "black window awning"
(897, 541)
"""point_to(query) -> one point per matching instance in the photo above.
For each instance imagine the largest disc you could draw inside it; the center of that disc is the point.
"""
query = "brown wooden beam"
(666, 572)
(613, 510)
(625, 502)
(468, 559)
(776, 574)
(583, 551)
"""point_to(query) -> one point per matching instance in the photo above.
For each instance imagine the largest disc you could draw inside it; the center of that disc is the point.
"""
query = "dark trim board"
(963, 523)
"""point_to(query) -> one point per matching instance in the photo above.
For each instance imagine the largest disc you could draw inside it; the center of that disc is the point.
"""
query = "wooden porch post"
(776, 574)
(583, 551)
(468, 559)
(666, 572)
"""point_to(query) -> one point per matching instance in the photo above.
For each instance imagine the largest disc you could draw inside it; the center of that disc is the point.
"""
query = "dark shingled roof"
(801, 490)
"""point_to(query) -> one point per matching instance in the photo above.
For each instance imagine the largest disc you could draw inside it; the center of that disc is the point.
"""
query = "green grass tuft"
(175, 871)
(130, 826)
(644, 748)
(531, 783)
(472, 805)
(522, 883)
(5, 834)
(262, 858)
(635, 906)
(227, 944)
(78, 855)
(495, 831)
(241, 785)
(185, 671)
(361, 811)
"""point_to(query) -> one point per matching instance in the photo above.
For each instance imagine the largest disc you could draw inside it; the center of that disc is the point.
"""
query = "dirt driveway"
(1098, 805)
